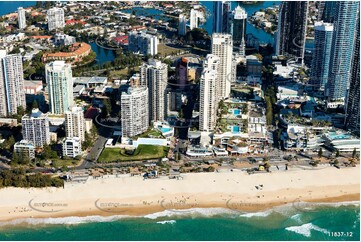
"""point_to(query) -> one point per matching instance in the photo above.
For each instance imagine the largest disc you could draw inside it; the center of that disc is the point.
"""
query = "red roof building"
(73, 22)
(121, 40)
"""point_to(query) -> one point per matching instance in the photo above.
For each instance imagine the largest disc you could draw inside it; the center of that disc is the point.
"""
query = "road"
(95, 151)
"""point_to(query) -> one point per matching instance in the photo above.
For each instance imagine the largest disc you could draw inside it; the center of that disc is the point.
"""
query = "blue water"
(261, 35)
(287, 223)
(236, 112)
(9, 7)
(250, 9)
(165, 129)
(235, 129)
(103, 55)
(147, 12)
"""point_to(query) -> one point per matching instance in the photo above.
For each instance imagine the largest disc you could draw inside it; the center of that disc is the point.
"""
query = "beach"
(134, 196)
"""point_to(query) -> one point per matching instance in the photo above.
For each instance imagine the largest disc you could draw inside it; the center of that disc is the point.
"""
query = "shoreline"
(132, 196)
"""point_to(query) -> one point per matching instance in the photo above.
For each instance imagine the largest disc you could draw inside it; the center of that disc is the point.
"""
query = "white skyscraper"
(74, 123)
(60, 86)
(222, 46)
(21, 18)
(36, 128)
(154, 75)
(194, 18)
(208, 103)
(134, 111)
(12, 93)
(143, 43)
(182, 25)
(55, 18)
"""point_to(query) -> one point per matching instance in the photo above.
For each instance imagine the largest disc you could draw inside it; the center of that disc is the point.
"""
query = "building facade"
(24, 149)
(60, 86)
(143, 43)
(12, 93)
(21, 18)
(292, 26)
(135, 112)
(55, 18)
(194, 18)
(35, 128)
(74, 123)
(343, 43)
(71, 147)
(321, 55)
(182, 25)
(239, 26)
(221, 17)
(208, 100)
(353, 98)
(154, 75)
(222, 46)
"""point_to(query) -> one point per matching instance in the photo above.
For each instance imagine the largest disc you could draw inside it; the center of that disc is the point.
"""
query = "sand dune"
(236, 190)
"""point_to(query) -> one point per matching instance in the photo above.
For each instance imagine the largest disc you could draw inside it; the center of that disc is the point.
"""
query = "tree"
(35, 104)
(15, 159)
(320, 153)
(8, 144)
(87, 141)
(20, 110)
(48, 153)
(94, 132)
(354, 153)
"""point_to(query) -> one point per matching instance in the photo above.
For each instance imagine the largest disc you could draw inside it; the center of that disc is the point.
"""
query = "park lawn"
(150, 133)
(165, 50)
(143, 152)
(65, 162)
(123, 73)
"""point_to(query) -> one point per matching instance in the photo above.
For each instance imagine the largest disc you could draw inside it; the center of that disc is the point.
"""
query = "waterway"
(7, 7)
(260, 34)
(103, 55)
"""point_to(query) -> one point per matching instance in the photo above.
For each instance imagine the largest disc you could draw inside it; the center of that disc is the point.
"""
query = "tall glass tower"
(343, 42)
(60, 86)
(292, 26)
(321, 55)
(353, 97)
(221, 17)
(239, 26)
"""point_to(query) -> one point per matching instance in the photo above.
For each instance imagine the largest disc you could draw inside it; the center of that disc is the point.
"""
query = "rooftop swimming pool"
(164, 130)
(335, 136)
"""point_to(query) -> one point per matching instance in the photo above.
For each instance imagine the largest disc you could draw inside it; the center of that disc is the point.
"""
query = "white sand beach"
(125, 195)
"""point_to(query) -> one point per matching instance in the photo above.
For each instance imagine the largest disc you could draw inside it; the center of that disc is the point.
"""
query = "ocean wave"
(166, 222)
(196, 212)
(63, 220)
(257, 214)
(296, 217)
(288, 210)
(305, 229)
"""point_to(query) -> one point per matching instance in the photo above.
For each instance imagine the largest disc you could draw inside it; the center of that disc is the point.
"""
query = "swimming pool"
(236, 111)
(164, 130)
(335, 136)
(235, 129)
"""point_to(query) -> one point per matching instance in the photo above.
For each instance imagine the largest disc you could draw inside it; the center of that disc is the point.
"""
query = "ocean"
(10, 7)
(321, 222)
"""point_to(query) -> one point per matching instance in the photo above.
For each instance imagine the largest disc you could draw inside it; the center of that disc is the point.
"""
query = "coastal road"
(97, 148)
